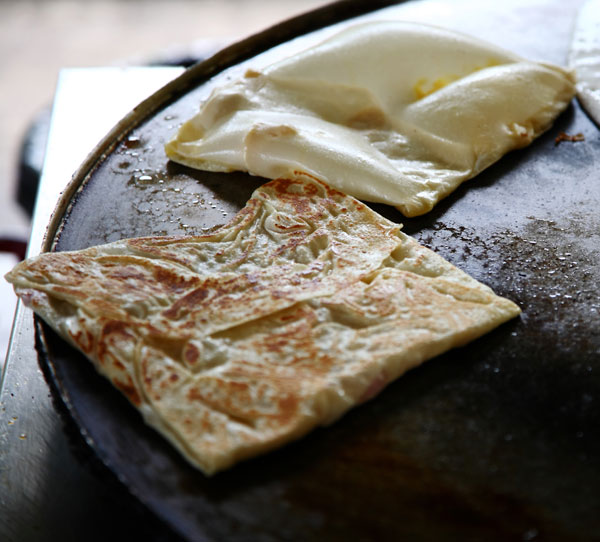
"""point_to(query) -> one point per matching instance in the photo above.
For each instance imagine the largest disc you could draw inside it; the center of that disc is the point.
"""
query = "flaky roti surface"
(390, 112)
(234, 343)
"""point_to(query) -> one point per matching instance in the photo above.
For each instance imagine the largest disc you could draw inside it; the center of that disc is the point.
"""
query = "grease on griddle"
(546, 268)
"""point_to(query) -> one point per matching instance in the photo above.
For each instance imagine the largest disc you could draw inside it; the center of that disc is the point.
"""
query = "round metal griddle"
(497, 440)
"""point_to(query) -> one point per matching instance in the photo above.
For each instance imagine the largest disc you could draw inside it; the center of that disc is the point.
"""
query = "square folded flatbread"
(236, 342)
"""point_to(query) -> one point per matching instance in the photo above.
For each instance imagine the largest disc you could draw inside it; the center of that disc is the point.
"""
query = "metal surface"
(45, 493)
(495, 441)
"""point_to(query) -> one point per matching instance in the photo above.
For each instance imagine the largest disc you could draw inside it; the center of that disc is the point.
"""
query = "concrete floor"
(38, 38)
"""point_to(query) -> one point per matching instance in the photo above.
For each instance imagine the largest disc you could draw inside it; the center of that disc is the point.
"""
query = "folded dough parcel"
(236, 342)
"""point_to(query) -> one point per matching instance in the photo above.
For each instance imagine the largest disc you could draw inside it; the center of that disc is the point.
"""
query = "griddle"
(497, 440)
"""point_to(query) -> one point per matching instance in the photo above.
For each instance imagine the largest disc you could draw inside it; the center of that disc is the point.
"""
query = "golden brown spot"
(288, 406)
(173, 282)
(150, 246)
(112, 331)
(73, 292)
(126, 273)
(191, 354)
(211, 291)
(128, 389)
(184, 304)
(195, 395)
(371, 118)
(84, 339)
(238, 387)
(287, 317)
(233, 400)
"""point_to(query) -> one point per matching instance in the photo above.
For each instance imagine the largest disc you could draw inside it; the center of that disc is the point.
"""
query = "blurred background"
(38, 38)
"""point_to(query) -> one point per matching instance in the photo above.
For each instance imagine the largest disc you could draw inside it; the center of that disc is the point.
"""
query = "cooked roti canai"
(390, 112)
(236, 342)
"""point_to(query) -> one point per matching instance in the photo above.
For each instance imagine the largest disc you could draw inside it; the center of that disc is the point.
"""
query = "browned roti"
(233, 343)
